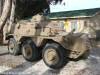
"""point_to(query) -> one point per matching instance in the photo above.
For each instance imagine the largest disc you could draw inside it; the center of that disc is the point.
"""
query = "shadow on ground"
(89, 66)
(19, 69)
(6, 53)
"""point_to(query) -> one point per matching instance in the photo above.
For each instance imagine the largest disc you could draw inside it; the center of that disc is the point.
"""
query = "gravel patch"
(16, 65)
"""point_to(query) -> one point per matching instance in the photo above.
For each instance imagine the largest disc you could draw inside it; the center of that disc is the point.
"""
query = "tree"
(5, 12)
(11, 9)
(1, 7)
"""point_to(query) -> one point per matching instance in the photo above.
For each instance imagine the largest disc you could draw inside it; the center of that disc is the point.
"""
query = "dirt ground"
(16, 65)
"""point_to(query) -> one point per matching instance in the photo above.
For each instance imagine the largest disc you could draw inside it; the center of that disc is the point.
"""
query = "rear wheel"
(54, 56)
(30, 51)
(13, 47)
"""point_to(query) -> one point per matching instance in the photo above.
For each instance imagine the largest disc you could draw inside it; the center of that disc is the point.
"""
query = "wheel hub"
(11, 46)
(27, 51)
(51, 56)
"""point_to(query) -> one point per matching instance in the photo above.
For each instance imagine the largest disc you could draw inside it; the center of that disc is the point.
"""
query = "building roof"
(74, 14)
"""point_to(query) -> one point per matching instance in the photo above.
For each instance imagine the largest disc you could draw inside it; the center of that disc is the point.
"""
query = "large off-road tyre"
(13, 47)
(54, 56)
(30, 51)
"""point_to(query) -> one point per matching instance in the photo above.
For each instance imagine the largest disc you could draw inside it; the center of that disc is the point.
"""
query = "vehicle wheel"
(30, 51)
(13, 47)
(54, 56)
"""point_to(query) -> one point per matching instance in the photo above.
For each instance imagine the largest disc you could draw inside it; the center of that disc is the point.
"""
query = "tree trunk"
(5, 13)
(1, 6)
(12, 17)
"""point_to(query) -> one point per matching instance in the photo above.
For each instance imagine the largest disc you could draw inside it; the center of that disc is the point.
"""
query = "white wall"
(75, 5)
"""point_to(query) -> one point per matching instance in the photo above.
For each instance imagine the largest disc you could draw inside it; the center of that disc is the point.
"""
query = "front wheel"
(54, 56)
